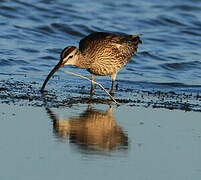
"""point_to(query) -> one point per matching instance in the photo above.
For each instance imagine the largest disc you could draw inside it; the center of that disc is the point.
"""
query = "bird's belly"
(105, 68)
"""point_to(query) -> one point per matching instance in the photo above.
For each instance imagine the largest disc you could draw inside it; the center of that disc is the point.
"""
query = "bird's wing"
(99, 37)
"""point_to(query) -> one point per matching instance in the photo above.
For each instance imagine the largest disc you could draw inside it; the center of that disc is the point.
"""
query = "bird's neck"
(82, 61)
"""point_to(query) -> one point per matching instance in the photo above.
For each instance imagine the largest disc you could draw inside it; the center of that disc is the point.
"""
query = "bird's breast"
(105, 66)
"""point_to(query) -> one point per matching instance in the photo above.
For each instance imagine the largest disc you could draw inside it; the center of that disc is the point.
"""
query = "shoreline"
(25, 93)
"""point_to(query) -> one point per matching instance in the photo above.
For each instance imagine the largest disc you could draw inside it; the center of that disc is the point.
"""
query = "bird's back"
(108, 52)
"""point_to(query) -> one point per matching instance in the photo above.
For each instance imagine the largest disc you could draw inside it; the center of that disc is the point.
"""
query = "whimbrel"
(101, 54)
(93, 129)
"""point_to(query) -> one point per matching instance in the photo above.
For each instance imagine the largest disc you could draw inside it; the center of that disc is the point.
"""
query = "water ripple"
(182, 65)
(185, 7)
(33, 33)
(66, 29)
(5, 62)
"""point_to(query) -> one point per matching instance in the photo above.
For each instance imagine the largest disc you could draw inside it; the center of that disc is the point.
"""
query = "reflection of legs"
(113, 77)
(92, 84)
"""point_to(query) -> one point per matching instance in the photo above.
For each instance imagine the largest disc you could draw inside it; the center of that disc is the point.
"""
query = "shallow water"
(96, 142)
(64, 134)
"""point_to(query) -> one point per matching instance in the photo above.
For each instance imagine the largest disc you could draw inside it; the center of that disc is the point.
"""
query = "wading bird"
(93, 130)
(101, 54)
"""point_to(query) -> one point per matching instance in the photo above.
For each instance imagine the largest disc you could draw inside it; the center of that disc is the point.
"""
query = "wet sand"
(65, 133)
(99, 141)
(27, 93)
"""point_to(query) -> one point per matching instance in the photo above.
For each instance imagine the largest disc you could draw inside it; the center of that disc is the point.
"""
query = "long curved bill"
(56, 68)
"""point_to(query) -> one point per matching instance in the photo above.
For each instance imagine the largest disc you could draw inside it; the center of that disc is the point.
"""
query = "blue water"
(128, 142)
(33, 33)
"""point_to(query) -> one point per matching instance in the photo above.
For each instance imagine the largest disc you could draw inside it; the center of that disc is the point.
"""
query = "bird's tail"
(137, 37)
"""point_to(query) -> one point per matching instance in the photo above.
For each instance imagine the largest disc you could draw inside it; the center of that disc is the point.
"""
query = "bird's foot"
(92, 92)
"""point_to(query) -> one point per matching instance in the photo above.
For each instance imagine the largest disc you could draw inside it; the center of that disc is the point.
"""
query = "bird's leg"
(112, 90)
(113, 77)
(92, 84)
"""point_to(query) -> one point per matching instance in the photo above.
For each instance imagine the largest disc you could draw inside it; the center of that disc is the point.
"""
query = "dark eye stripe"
(66, 51)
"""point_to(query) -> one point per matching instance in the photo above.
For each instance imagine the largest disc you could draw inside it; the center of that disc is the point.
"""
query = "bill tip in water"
(42, 90)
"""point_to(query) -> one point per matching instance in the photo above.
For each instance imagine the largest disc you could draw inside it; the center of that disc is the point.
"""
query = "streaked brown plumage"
(100, 53)
(93, 128)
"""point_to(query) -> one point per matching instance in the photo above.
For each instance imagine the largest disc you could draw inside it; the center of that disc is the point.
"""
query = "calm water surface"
(97, 142)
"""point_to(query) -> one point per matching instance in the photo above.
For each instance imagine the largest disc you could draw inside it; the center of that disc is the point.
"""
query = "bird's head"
(69, 56)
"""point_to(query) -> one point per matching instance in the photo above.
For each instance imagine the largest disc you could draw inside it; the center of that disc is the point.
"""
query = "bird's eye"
(70, 57)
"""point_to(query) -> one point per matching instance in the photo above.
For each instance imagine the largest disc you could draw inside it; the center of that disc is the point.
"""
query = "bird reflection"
(93, 130)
